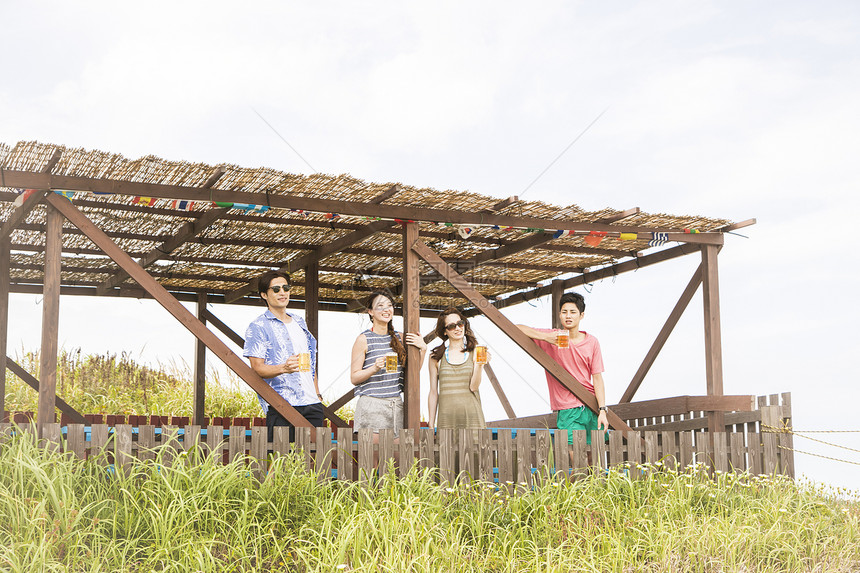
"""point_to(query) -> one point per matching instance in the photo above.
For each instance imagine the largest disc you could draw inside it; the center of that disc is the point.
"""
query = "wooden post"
(411, 316)
(179, 312)
(50, 319)
(312, 302)
(5, 280)
(557, 291)
(713, 347)
(199, 399)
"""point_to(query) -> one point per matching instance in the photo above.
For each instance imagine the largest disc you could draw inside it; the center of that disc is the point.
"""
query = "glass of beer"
(304, 361)
(391, 362)
(563, 340)
(481, 354)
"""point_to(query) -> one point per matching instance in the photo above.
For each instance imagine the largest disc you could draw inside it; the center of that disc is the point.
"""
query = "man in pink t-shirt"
(584, 362)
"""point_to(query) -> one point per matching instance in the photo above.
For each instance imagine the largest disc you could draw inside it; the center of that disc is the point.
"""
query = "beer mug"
(480, 354)
(563, 340)
(391, 362)
(304, 361)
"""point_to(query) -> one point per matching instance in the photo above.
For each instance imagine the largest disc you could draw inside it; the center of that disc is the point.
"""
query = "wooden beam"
(735, 226)
(322, 251)
(682, 405)
(31, 381)
(557, 289)
(663, 336)
(601, 273)
(502, 204)
(316, 255)
(525, 244)
(713, 345)
(20, 213)
(174, 307)
(619, 216)
(199, 396)
(353, 208)
(343, 400)
(514, 333)
(187, 231)
(411, 307)
(537, 421)
(312, 302)
(226, 330)
(50, 317)
(5, 257)
(494, 381)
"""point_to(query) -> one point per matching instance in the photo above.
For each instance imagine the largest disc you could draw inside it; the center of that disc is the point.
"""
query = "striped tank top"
(382, 384)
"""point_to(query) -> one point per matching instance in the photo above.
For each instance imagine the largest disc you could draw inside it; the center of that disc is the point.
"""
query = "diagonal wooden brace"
(174, 307)
(514, 333)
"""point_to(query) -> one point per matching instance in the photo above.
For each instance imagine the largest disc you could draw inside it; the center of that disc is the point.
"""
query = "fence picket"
(322, 459)
(344, 453)
(561, 452)
(259, 451)
(407, 451)
(365, 455)
(634, 453)
(122, 445)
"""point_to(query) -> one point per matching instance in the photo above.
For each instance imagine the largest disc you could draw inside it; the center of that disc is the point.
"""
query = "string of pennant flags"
(591, 238)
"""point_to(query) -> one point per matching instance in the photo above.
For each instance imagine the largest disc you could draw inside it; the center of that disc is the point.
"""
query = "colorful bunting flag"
(223, 204)
(67, 194)
(23, 194)
(464, 231)
(594, 238)
(628, 236)
(562, 233)
(658, 239)
(182, 205)
(147, 201)
(248, 208)
(693, 231)
(331, 216)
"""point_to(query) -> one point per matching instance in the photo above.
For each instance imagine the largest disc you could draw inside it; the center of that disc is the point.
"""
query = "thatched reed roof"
(303, 213)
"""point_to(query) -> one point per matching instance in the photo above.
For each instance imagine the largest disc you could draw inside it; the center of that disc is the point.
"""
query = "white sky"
(725, 109)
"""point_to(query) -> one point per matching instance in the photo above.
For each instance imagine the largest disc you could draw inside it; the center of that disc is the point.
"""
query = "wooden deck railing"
(501, 455)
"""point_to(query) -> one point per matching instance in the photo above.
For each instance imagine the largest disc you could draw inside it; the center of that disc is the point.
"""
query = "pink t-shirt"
(582, 360)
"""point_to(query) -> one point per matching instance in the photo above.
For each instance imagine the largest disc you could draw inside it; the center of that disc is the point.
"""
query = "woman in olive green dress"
(454, 401)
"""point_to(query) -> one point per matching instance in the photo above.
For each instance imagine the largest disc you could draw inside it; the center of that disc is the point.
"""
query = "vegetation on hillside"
(118, 384)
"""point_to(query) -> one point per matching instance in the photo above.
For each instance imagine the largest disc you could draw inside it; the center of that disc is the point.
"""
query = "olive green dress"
(459, 407)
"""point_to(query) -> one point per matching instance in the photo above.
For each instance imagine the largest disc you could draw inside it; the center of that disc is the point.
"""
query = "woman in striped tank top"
(380, 405)
(455, 375)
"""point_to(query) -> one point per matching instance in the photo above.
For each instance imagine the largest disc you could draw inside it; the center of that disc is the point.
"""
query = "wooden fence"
(498, 454)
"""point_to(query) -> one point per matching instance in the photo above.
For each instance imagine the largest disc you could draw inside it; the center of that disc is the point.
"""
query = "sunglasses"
(277, 288)
(453, 325)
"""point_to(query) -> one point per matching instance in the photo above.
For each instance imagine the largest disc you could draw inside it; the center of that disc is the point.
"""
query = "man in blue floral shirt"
(273, 343)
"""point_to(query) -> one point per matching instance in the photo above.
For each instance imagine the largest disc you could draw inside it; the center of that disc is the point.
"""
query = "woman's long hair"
(396, 343)
(471, 341)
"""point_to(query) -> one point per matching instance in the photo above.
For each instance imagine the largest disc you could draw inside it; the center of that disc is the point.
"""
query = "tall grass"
(62, 514)
(118, 384)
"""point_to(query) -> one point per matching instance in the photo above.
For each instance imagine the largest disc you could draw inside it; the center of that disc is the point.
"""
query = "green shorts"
(577, 419)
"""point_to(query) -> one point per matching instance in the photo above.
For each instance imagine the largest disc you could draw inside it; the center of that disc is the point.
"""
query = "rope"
(819, 455)
(789, 430)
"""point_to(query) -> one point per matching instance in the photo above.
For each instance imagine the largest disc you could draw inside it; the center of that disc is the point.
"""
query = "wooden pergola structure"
(98, 224)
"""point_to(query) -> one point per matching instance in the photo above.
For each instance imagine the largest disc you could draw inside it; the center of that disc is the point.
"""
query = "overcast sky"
(726, 109)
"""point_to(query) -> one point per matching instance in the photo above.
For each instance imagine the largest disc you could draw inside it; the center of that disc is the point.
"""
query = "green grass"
(63, 514)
